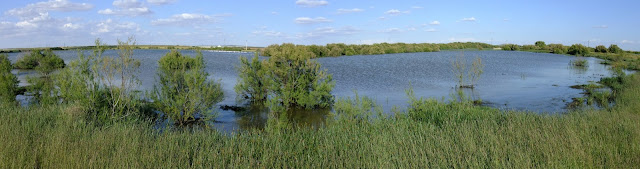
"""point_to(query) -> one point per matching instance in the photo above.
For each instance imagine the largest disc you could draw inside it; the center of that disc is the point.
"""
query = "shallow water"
(512, 80)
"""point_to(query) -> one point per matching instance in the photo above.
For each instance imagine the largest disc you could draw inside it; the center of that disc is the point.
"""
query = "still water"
(536, 82)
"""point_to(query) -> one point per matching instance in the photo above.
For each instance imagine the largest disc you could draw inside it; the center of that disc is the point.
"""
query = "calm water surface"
(527, 81)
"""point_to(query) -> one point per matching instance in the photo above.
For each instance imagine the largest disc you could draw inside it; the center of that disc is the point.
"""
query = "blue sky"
(38, 23)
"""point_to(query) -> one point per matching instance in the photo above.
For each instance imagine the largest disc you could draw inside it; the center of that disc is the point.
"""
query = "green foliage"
(341, 49)
(558, 48)
(44, 61)
(601, 49)
(290, 78)
(184, 94)
(252, 82)
(578, 49)
(356, 110)
(579, 62)
(8, 81)
(510, 47)
(540, 44)
(467, 76)
(296, 80)
(614, 49)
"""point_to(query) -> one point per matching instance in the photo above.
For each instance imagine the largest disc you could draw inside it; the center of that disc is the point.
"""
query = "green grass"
(464, 136)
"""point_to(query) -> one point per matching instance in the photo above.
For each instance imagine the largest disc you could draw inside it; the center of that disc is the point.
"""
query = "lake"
(512, 80)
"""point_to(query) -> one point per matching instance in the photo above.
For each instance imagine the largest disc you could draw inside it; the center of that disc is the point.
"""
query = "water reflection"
(255, 117)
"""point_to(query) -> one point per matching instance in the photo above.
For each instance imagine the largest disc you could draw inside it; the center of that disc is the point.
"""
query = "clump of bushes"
(289, 78)
(45, 61)
(510, 47)
(578, 49)
(601, 49)
(557, 48)
(184, 94)
(614, 49)
(8, 81)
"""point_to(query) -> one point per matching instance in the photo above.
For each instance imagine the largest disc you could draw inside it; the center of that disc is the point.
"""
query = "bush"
(511, 47)
(8, 81)
(184, 94)
(291, 77)
(614, 49)
(578, 49)
(44, 61)
(540, 44)
(252, 84)
(557, 48)
(601, 49)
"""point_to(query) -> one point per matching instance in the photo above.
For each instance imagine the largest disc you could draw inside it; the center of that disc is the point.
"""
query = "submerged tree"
(8, 81)
(291, 78)
(467, 76)
(252, 84)
(184, 94)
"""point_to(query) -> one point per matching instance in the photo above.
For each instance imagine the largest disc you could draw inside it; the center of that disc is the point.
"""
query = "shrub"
(8, 81)
(44, 61)
(184, 94)
(252, 84)
(601, 49)
(292, 78)
(540, 44)
(614, 49)
(557, 48)
(511, 47)
(578, 49)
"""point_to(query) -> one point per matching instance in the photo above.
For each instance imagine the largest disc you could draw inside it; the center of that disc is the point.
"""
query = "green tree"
(8, 81)
(184, 94)
(252, 82)
(557, 48)
(292, 78)
(540, 44)
(601, 49)
(578, 49)
(44, 61)
(614, 49)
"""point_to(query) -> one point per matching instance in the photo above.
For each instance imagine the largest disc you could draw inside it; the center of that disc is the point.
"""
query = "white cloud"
(391, 30)
(626, 42)
(434, 23)
(71, 26)
(127, 8)
(116, 28)
(506, 20)
(354, 10)
(601, 26)
(307, 20)
(329, 31)
(189, 19)
(472, 19)
(160, 2)
(395, 12)
(431, 30)
(411, 29)
(311, 3)
(416, 7)
(35, 9)
(268, 33)
(274, 13)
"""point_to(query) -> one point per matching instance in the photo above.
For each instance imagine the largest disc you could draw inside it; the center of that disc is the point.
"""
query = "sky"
(49, 23)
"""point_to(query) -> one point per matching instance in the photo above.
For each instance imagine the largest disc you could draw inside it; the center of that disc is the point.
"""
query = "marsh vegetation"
(98, 116)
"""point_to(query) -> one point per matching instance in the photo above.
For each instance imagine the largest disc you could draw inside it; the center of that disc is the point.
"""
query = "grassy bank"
(432, 135)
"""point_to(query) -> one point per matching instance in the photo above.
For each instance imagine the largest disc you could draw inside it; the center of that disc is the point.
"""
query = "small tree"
(252, 82)
(540, 44)
(578, 49)
(8, 81)
(614, 49)
(185, 94)
(601, 49)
